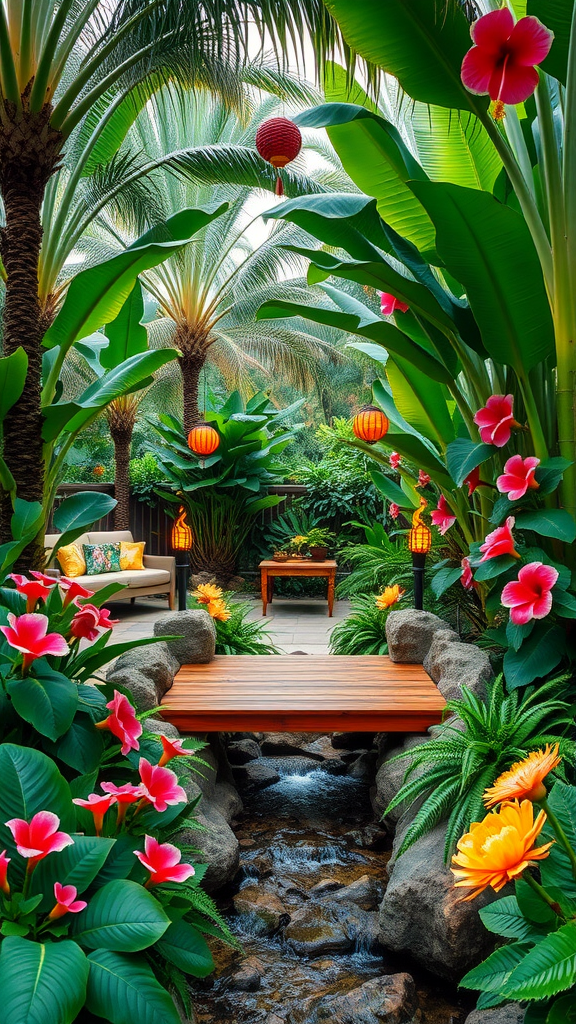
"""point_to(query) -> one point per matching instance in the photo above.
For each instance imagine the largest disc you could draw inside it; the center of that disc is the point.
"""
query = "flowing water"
(293, 835)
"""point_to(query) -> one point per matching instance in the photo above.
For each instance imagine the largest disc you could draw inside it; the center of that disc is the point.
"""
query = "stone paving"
(295, 624)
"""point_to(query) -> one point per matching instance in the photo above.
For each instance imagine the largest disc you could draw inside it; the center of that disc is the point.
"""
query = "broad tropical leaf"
(123, 989)
(41, 982)
(122, 916)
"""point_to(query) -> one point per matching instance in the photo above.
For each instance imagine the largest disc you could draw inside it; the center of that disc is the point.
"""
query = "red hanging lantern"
(370, 424)
(203, 440)
(278, 141)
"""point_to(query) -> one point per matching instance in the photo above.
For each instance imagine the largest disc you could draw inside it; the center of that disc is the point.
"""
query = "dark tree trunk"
(122, 438)
(193, 345)
(29, 154)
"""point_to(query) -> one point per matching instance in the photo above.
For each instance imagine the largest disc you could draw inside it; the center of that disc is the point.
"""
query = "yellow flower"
(524, 780)
(500, 848)
(206, 592)
(218, 610)
(299, 539)
(389, 596)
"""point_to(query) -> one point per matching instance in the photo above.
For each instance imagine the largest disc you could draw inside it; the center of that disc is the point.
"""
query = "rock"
(335, 767)
(162, 728)
(227, 800)
(321, 749)
(348, 756)
(410, 633)
(366, 892)
(372, 837)
(325, 886)
(422, 913)
(363, 768)
(352, 740)
(452, 664)
(242, 751)
(141, 688)
(264, 908)
(511, 1013)
(218, 846)
(273, 1018)
(256, 867)
(389, 999)
(157, 662)
(248, 976)
(256, 774)
(197, 632)
(278, 744)
(390, 777)
(315, 931)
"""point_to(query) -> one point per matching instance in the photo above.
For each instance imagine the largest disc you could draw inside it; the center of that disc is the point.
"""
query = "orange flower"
(389, 596)
(499, 849)
(206, 592)
(218, 610)
(524, 779)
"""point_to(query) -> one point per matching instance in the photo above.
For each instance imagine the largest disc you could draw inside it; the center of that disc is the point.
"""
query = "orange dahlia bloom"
(389, 596)
(218, 610)
(499, 849)
(206, 592)
(524, 780)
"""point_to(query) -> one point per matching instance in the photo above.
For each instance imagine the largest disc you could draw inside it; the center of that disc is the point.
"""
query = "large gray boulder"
(511, 1013)
(264, 909)
(197, 643)
(141, 688)
(389, 999)
(451, 664)
(217, 844)
(390, 776)
(409, 634)
(147, 672)
(423, 914)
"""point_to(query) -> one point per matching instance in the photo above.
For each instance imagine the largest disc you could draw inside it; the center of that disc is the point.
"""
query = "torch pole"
(418, 564)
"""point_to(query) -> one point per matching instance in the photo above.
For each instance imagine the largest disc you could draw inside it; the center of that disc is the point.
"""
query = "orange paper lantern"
(203, 440)
(370, 424)
(278, 141)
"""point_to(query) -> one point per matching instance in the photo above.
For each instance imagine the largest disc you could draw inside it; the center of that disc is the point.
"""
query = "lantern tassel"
(279, 186)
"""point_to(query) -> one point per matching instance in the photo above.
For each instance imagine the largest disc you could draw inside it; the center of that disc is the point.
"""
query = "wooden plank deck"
(291, 693)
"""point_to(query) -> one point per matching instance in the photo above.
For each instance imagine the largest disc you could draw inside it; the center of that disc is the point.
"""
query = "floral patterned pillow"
(101, 558)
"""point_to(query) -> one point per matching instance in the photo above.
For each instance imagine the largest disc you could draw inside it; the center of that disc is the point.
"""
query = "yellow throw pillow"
(72, 561)
(131, 555)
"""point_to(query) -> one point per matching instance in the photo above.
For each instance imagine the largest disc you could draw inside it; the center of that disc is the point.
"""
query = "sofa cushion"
(101, 558)
(131, 555)
(71, 560)
(131, 579)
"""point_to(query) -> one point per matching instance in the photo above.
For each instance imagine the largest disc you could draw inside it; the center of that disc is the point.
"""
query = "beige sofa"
(157, 577)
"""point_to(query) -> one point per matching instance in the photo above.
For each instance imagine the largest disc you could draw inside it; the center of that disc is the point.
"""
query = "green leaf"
(78, 511)
(26, 519)
(127, 336)
(76, 865)
(123, 990)
(13, 370)
(183, 945)
(41, 982)
(48, 700)
(557, 16)
(488, 247)
(537, 656)
(548, 969)
(409, 40)
(550, 472)
(444, 579)
(564, 603)
(464, 455)
(419, 400)
(492, 974)
(390, 489)
(504, 917)
(493, 567)
(345, 220)
(81, 746)
(122, 916)
(549, 522)
(563, 1011)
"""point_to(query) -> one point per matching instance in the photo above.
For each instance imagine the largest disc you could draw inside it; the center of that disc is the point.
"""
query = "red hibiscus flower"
(98, 805)
(395, 460)
(423, 478)
(473, 481)
(529, 597)
(66, 902)
(122, 723)
(33, 590)
(27, 633)
(390, 304)
(502, 61)
(442, 516)
(171, 749)
(496, 420)
(73, 590)
(162, 860)
(124, 795)
(500, 542)
(467, 579)
(4, 862)
(518, 477)
(160, 785)
(35, 840)
(89, 620)
(394, 510)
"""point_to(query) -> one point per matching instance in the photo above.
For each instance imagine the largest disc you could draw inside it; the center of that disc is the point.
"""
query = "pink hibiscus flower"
(467, 579)
(390, 304)
(518, 477)
(98, 805)
(500, 542)
(395, 460)
(442, 517)
(496, 420)
(160, 785)
(33, 590)
(162, 860)
(35, 840)
(66, 902)
(122, 723)
(529, 597)
(27, 633)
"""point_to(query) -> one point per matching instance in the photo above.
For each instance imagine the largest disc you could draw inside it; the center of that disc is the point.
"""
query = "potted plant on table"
(319, 541)
(296, 546)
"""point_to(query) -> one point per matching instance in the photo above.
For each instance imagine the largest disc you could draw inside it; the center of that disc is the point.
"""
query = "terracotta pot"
(319, 554)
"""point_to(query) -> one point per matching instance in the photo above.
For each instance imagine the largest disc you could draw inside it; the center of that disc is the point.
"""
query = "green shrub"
(363, 631)
(379, 563)
(238, 635)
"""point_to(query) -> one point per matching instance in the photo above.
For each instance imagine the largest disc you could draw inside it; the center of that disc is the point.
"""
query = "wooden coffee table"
(269, 569)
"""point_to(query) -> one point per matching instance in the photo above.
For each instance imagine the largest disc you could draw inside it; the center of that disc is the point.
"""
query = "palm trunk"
(121, 415)
(29, 153)
(193, 345)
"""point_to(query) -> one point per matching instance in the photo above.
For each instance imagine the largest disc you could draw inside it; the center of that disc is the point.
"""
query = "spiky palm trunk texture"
(121, 415)
(29, 155)
(193, 343)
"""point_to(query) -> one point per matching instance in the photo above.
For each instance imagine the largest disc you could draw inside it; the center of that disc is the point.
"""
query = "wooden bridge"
(288, 693)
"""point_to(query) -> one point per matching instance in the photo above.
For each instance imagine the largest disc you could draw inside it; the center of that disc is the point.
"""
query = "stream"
(304, 841)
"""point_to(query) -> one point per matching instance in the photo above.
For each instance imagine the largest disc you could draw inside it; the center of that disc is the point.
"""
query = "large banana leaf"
(342, 219)
(126, 335)
(556, 15)
(420, 42)
(454, 146)
(489, 248)
(374, 155)
(13, 370)
(420, 400)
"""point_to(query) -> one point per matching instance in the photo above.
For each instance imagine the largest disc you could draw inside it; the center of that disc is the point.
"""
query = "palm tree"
(208, 295)
(85, 66)
(121, 415)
